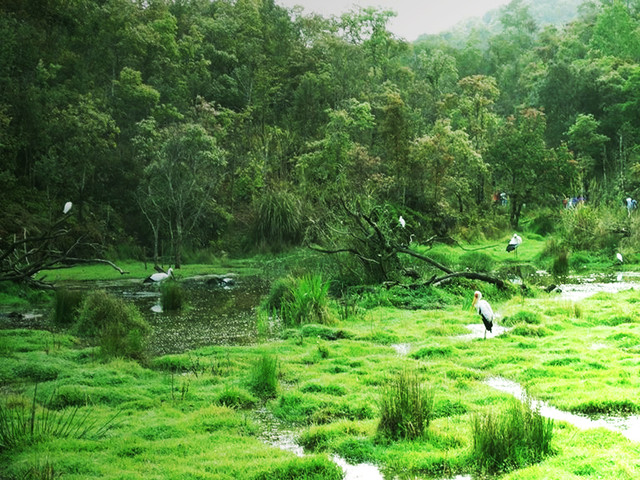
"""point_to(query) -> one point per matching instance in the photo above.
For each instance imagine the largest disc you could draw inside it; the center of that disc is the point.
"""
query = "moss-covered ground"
(190, 416)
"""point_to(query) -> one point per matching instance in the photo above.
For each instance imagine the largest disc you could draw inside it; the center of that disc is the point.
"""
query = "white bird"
(159, 277)
(67, 207)
(484, 310)
(619, 257)
(514, 243)
(402, 222)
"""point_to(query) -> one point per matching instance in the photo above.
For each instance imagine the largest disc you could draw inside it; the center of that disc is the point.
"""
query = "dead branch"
(470, 275)
(22, 259)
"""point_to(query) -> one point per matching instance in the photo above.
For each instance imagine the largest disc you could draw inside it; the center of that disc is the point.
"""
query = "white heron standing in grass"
(484, 310)
(67, 207)
(619, 257)
(159, 277)
(402, 222)
(514, 243)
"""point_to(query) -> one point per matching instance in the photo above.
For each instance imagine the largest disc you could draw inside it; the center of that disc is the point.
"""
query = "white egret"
(619, 257)
(484, 310)
(67, 207)
(159, 277)
(402, 222)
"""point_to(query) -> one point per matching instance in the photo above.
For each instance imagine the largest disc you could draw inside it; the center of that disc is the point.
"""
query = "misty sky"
(414, 17)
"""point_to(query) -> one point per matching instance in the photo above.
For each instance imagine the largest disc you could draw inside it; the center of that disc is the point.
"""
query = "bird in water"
(514, 243)
(484, 310)
(159, 277)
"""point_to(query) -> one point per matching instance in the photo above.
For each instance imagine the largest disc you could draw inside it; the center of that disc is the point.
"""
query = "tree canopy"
(176, 125)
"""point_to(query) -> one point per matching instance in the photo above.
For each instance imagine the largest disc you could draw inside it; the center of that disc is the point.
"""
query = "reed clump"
(264, 376)
(514, 438)
(299, 301)
(406, 407)
(171, 296)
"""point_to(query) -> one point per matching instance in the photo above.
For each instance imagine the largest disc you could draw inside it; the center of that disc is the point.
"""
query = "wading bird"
(402, 222)
(67, 207)
(514, 243)
(484, 310)
(619, 257)
(159, 277)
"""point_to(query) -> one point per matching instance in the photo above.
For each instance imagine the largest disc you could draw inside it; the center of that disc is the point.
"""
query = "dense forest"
(178, 127)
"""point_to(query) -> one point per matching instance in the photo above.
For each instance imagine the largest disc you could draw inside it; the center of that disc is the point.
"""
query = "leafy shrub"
(476, 262)
(406, 407)
(544, 222)
(514, 438)
(116, 326)
(264, 377)
(66, 305)
(171, 296)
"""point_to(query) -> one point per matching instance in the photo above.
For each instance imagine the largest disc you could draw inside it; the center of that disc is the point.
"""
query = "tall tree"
(519, 158)
(182, 179)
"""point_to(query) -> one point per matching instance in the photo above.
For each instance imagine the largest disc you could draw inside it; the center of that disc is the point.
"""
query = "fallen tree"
(377, 239)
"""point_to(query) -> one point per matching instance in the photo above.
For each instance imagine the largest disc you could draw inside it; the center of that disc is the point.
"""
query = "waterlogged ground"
(576, 355)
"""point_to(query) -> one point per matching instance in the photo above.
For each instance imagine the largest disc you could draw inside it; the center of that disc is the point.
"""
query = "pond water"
(220, 310)
(578, 288)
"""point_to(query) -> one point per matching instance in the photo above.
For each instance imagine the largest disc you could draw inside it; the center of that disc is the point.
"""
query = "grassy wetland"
(388, 377)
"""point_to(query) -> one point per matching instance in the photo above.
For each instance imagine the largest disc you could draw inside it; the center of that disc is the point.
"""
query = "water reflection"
(629, 426)
(216, 313)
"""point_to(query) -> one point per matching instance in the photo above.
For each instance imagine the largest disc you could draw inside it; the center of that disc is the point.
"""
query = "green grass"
(191, 415)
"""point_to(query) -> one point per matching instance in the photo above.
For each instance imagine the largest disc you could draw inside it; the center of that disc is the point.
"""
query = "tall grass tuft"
(406, 407)
(560, 267)
(309, 302)
(300, 300)
(116, 326)
(172, 296)
(279, 218)
(66, 305)
(517, 437)
(21, 424)
(264, 377)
